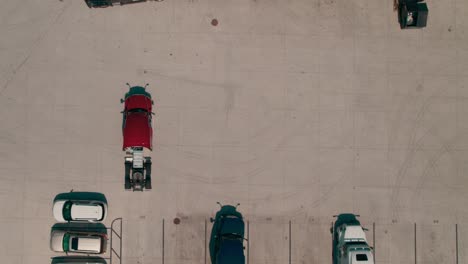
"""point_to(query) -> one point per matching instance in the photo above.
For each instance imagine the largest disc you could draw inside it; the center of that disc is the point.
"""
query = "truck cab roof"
(354, 233)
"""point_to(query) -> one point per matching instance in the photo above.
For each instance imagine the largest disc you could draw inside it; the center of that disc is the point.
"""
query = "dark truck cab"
(227, 237)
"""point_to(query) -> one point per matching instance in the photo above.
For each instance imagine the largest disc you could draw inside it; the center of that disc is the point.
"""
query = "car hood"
(56, 241)
(349, 219)
(137, 131)
(138, 101)
(58, 211)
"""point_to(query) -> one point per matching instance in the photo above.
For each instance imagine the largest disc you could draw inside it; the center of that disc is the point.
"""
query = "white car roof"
(354, 233)
(86, 211)
(89, 244)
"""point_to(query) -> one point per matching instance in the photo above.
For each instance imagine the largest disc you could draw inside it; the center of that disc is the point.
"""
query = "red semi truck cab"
(137, 134)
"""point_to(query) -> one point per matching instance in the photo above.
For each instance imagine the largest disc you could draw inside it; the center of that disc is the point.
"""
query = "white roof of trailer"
(354, 233)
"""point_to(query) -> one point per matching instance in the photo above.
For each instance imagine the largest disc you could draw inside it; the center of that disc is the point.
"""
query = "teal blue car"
(227, 237)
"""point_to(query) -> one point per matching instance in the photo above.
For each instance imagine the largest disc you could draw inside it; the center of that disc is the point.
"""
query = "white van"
(78, 242)
(80, 206)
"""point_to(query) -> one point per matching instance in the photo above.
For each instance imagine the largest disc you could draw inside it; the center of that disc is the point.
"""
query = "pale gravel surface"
(297, 109)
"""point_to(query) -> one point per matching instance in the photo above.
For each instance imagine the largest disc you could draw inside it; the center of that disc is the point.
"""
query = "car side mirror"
(211, 220)
(121, 100)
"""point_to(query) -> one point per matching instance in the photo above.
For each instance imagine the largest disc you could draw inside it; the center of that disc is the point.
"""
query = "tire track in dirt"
(446, 148)
(414, 146)
(32, 49)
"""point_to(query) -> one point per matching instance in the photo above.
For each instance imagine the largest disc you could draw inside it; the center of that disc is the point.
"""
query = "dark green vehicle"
(227, 236)
(412, 13)
(78, 260)
(106, 3)
(349, 241)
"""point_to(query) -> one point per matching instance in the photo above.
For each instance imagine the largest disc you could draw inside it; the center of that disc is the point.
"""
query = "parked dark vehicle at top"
(107, 3)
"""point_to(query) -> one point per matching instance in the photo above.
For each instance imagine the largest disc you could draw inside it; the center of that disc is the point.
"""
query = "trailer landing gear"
(137, 178)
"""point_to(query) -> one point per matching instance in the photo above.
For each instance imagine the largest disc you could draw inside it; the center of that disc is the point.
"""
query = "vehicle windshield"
(66, 241)
(103, 213)
(232, 225)
(357, 243)
(74, 245)
(361, 257)
(232, 236)
(137, 110)
(67, 211)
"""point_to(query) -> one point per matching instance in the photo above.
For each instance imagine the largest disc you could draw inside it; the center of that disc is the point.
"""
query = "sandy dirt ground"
(296, 109)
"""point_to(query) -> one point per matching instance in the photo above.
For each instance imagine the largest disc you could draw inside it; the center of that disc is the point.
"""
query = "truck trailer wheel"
(128, 185)
(148, 183)
(148, 173)
(128, 166)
